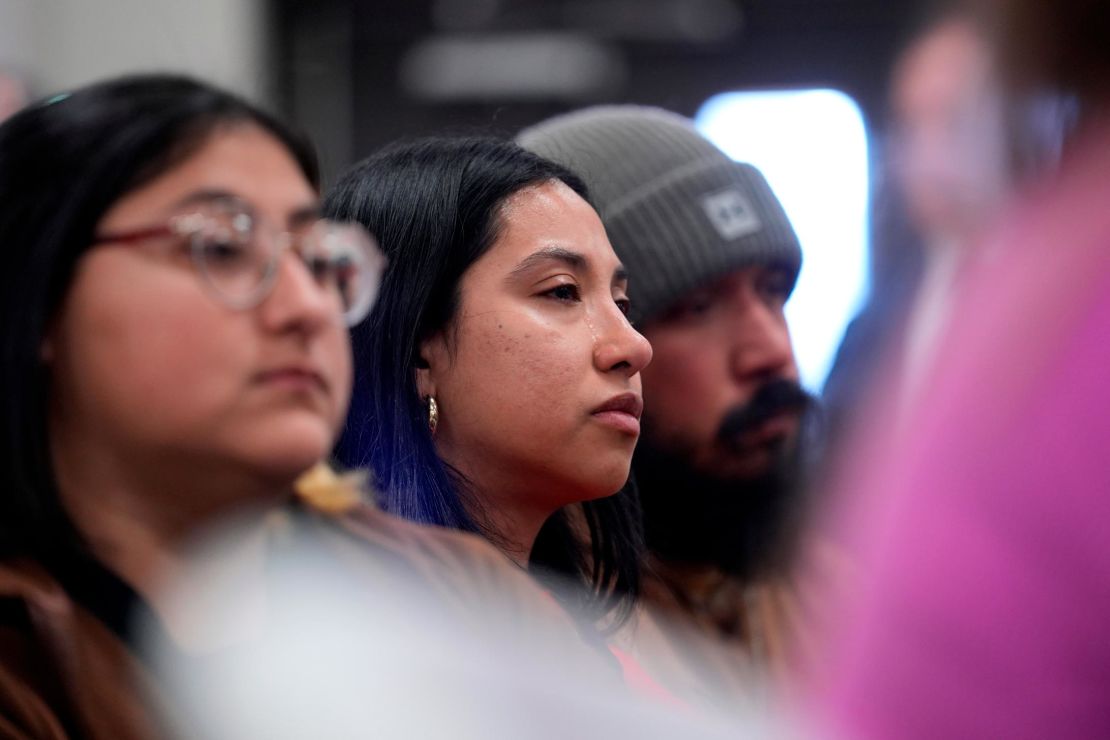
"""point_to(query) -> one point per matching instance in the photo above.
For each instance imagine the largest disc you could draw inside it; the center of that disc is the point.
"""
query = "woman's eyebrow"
(305, 215)
(212, 195)
(575, 260)
(301, 216)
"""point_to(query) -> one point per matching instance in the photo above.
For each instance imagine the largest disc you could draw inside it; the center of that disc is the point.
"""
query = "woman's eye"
(224, 252)
(624, 305)
(322, 269)
(564, 292)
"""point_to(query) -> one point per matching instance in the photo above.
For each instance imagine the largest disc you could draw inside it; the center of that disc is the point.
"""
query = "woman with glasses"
(498, 381)
(174, 348)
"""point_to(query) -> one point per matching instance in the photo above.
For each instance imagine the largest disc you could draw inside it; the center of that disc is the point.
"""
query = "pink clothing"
(983, 606)
(643, 683)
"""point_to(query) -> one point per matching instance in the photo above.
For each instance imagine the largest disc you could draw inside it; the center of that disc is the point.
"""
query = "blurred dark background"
(360, 73)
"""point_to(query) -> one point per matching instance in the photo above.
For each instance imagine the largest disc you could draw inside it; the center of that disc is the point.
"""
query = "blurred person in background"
(498, 380)
(957, 147)
(982, 525)
(174, 353)
(713, 261)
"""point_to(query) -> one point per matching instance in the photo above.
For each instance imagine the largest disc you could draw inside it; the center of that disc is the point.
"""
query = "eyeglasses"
(239, 267)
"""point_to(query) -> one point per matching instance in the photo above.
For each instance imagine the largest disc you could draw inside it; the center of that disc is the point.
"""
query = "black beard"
(745, 527)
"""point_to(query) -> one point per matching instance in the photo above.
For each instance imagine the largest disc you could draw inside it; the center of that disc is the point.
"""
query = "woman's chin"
(607, 483)
(284, 458)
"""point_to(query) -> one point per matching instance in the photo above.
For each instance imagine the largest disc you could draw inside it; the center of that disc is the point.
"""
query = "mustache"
(774, 397)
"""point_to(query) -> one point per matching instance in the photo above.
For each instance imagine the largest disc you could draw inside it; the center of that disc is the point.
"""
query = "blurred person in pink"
(983, 524)
(956, 146)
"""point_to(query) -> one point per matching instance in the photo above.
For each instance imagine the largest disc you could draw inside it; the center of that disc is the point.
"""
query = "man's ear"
(431, 361)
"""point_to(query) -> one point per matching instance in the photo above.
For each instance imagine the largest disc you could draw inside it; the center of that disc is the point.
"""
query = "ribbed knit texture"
(657, 184)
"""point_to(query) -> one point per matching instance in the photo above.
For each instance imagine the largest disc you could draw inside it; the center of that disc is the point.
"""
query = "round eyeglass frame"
(190, 227)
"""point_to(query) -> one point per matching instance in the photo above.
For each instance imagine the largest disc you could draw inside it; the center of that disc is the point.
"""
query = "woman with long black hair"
(497, 382)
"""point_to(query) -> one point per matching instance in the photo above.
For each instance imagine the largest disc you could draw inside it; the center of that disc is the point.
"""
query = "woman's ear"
(431, 362)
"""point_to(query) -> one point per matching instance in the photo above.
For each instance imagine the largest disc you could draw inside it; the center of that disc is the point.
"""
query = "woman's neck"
(507, 509)
(142, 524)
(512, 529)
(512, 520)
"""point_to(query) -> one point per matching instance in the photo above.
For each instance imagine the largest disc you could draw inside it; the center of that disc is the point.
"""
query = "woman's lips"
(299, 379)
(621, 412)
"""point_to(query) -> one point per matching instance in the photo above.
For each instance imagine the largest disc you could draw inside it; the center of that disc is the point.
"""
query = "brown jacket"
(65, 674)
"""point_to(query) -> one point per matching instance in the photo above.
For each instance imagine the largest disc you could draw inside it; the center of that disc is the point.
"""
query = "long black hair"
(433, 205)
(63, 163)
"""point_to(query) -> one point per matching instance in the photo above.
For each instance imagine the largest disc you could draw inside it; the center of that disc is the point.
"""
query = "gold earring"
(433, 415)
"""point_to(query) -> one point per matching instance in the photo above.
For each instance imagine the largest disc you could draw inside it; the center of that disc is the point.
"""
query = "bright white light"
(811, 145)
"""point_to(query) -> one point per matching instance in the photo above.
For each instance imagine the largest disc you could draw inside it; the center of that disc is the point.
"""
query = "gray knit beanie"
(678, 211)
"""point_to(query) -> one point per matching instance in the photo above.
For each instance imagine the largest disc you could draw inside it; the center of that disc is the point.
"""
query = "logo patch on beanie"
(731, 214)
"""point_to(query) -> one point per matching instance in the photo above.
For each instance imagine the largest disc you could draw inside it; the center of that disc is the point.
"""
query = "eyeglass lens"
(241, 268)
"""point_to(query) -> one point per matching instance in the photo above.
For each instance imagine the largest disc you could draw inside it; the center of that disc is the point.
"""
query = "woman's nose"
(297, 300)
(620, 347)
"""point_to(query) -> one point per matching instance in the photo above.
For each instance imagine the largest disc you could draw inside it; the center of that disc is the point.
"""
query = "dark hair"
(433, 205)
(63, 163)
